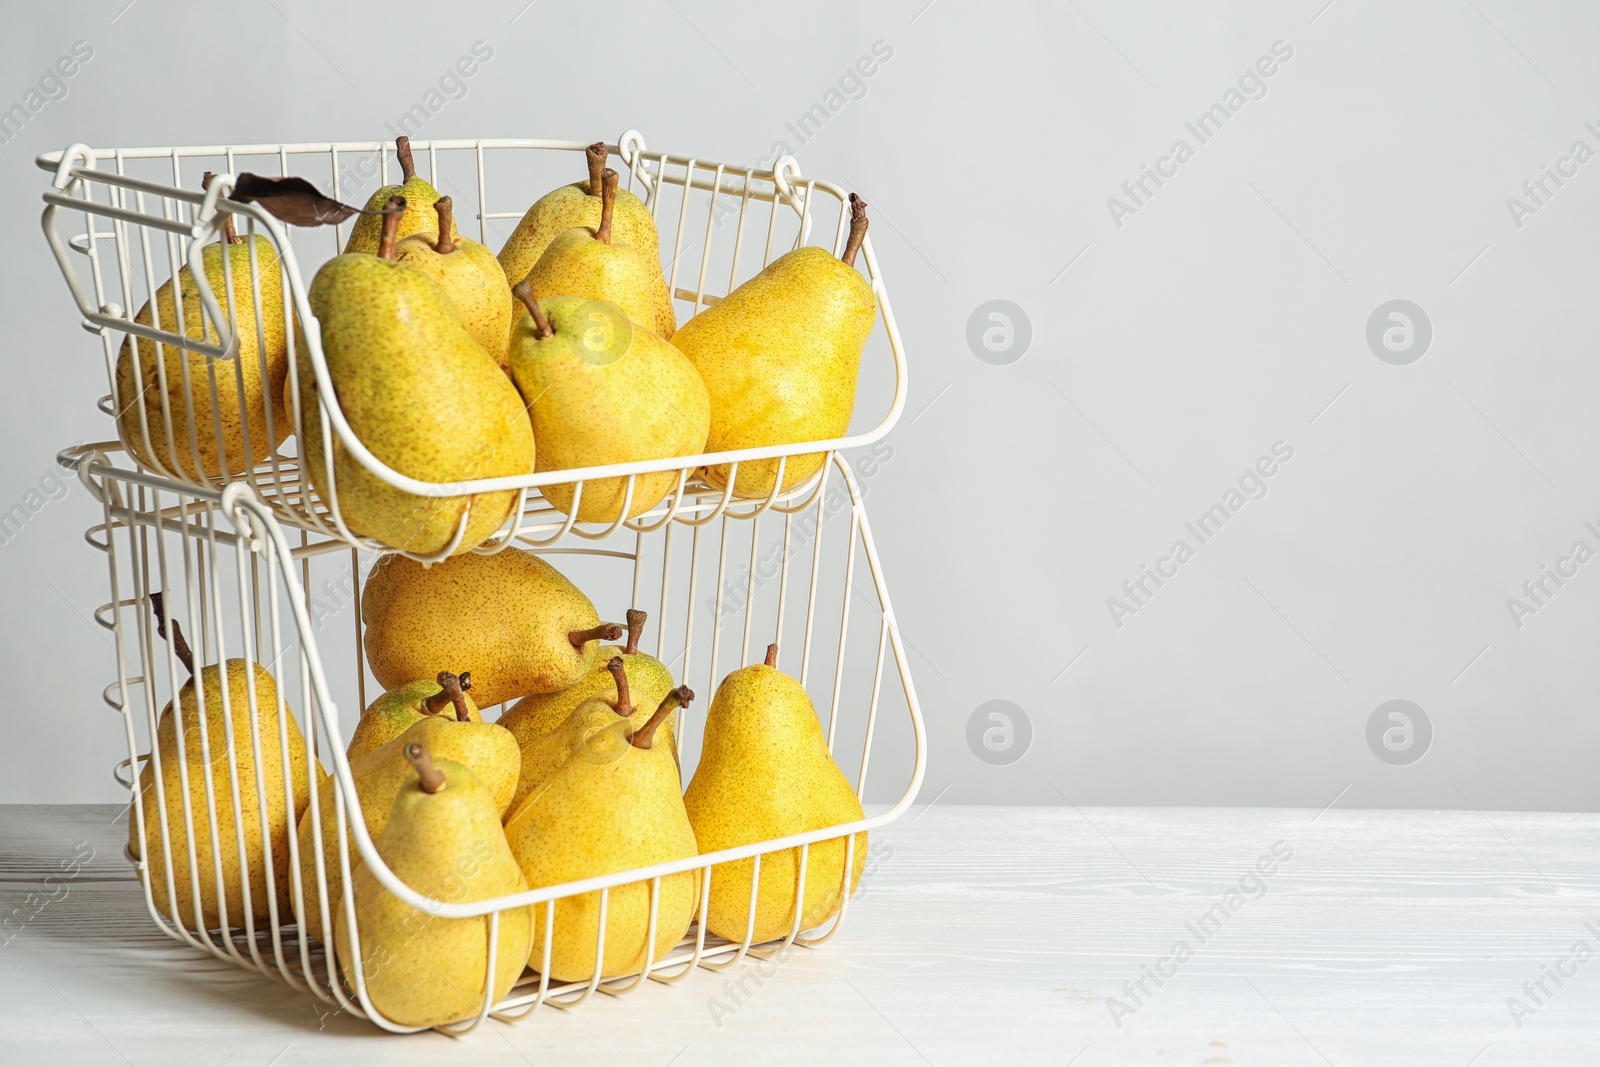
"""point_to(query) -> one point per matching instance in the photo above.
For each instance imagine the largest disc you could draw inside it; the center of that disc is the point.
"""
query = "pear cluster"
(579, 778)
(449, 363)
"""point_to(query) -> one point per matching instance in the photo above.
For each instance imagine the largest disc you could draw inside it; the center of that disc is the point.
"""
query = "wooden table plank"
(981, 934)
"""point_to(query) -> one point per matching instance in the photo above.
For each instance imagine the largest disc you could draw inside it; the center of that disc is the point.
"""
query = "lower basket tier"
(718, 580)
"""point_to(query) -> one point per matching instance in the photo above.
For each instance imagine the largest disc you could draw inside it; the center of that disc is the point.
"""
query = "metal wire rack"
(242, 556)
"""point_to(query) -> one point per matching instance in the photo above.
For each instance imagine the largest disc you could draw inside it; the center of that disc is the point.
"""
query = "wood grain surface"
(980, 935)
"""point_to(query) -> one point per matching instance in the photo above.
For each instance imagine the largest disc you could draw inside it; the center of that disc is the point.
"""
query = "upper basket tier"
(122, 222)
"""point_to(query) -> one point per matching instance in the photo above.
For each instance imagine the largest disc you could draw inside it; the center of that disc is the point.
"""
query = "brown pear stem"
(523, 291)
(858, 230)
(447, 226)
(619, 672)
(644, 736)
(608, 202)
(402, 152)
(772, 655)
(230, 233)
(606, 631)
(596, 154)
(392, 211)
(450, 692)
(430, 777)
(636, 620)
(170, 631)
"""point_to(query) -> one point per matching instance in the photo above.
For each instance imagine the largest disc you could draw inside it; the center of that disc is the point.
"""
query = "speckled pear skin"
(396, 711)
(648, 403)
(275, 828)
(367, 231)
(261, 370)
(579, 264)
(508, 615)
(649, 681)
(780, 356)
(602, 811)
(579, 732)
(485, 747)
(421, 394)
(471, 277)
(571, 206)
(420, 969)
(765, 772)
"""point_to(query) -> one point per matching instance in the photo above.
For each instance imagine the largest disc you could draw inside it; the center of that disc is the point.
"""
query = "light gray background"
(1228, 313)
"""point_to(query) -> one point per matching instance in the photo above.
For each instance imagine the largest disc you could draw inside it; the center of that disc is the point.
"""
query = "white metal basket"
(255, 565)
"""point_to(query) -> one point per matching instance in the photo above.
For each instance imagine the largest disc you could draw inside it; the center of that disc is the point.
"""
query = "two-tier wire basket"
(260, 565)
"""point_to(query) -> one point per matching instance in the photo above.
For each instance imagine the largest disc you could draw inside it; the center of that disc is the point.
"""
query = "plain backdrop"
(1177, 335)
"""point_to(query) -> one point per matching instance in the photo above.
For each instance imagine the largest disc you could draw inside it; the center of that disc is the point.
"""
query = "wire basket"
(257, 566)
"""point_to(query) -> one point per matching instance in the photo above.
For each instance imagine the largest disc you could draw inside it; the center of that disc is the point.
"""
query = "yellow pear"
(442, 839)
(647, 678)
(765, 772)
(487, 748)
(199, 762)
(780, 355)
(389, 716)
(612, 806)
(208, 439)
(602, 390)
(367, 232)
(420, 393)
(469, 275)
(521, 624)
(541, 755)
(596, 264)
(578, 205)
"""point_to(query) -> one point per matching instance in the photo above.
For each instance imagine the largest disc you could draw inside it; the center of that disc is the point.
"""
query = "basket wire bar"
(216, 545)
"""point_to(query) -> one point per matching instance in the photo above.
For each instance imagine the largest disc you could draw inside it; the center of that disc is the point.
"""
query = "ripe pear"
(486, 747)
(469, 275)
(612, 806)
(523, 626)
(580, 204)
(601, 390)
(647, 679)
(284, 802)
(389, 716)
(443, 839)
(187, 409)
(420, 393)
(551, 747)
(367, 232)
(765, 772)
(596, 264)
(780, 355)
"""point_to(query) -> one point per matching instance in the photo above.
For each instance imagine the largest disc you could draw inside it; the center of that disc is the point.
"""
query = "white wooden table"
(982, 935)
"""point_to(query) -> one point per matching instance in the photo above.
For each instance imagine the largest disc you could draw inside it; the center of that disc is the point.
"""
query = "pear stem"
(606, 631)
(619, 672)
(608, 201)
(391, 225)
(523, 291)
(450, 692)
(447, 226)
(230, 234)
(596, 154)
(180, 647)
(430, 777)
(402, 152)
(858, 230)
(636, 620)
(644, 737)
(772, 655)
